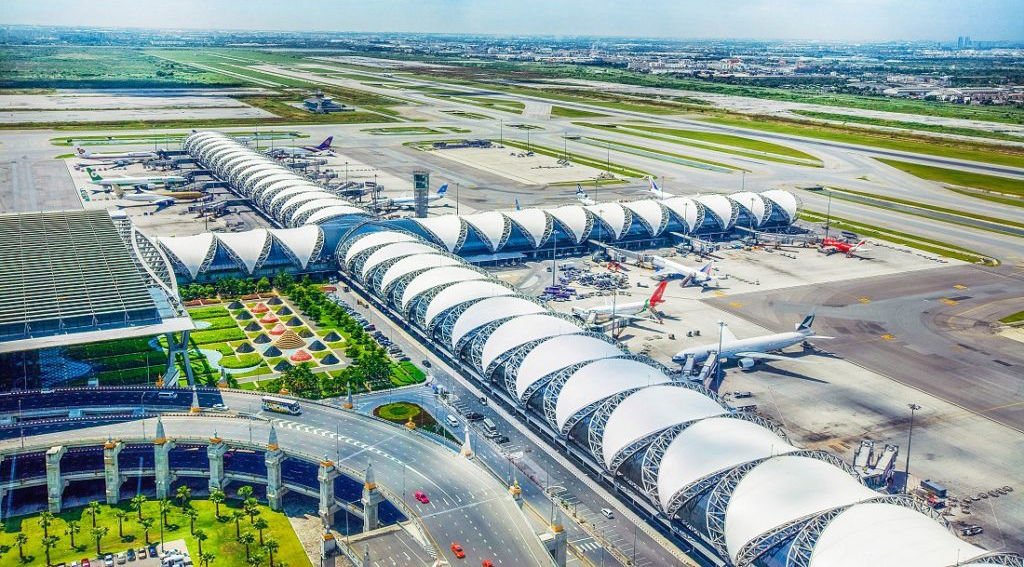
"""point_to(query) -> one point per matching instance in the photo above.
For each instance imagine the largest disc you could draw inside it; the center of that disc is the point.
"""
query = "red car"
(457, 550)
(487, 563)
(421, 496)
(85, 562)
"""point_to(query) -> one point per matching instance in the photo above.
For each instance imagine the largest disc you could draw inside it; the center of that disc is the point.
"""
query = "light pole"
(828, 212)
(718, 355)
(910, 438)
(501, 131)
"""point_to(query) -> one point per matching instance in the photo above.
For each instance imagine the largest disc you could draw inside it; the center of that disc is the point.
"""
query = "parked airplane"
(161, 201)
(656, 190)
(832, 245)
(667, 269)
(323, 148)
(86, 154)
(408, 201)
(146, 181)
(625, 311)
(749, 351)
(582, 196)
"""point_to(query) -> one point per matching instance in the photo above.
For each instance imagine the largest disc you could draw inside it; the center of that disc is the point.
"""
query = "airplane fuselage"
(762, 344)
(133, 181)
(610, 310)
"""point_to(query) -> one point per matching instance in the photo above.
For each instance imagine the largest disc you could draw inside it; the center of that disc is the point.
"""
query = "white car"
(219, 407)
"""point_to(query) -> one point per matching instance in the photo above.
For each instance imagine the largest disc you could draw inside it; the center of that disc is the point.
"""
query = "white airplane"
(323, 148)
(749, 351)
(408, 201)
(582, 196)
(160, 201)
(86, 154)
(625, 311)
(147, 181)
(667, 269)
(656, 190)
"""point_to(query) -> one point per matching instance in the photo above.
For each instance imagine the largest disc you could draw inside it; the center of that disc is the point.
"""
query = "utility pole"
(828, 212)
(718, 355)
(910, 438)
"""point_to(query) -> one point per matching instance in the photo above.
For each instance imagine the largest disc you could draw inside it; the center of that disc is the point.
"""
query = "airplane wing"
(766, 356)
(727, 335)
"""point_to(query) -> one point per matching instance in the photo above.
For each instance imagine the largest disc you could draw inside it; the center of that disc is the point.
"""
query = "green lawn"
(464, 114)
(621, 146)
(1014, 318)
(566, 112)
(220, 533)
(992, 183)
(402, 130)
(908, 125)
(596, 163)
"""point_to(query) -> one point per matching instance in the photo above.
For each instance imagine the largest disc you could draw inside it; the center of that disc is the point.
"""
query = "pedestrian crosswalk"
(296, 426)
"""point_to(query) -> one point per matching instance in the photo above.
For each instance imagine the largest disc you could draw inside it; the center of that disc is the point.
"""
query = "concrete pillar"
(175, 347)
(112, 470)
(467, 447)
(328, 472)
(54, 482)
(558, 543)
(371, 501)
(273, 458)
(162, 462)
(215, 452)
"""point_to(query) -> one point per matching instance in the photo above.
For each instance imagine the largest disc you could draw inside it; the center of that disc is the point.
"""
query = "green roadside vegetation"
(993, 183)
(611, 167)
(1017, 317)
(622, 146)
(909, 125)
(403, 412)
(989, 196)
(465, 114)
(838, 191)
(905, 239)
(414, 130)
(505, 105)
(138, 522)
(566, 112)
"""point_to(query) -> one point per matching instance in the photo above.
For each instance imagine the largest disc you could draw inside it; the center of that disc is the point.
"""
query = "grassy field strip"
(220, 71)
(922, 127)
(930, 207)
(566, 112)
(596, 163)
(414, 130)
(661, 155)
(1017, 317)
(902, 238)
(998, 184)
(989, 196)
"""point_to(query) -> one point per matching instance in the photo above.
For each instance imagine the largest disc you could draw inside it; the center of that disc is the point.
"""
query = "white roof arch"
(247, 246)
(684, 208)
(290, 202)
(613, 214)
(521, 330)
(264, 195)
(413, 263)
(751, 202)
(264, 183)
(712, 445)
(315, 205)
(392, 251)
(227, 165)
(284, 190)
(462, 292)
(491, 309)
(436, 277)
(328, 213)
(784, 199)
(191, 251)
(489, 225)
(447, 229)
(601, 379)
(651, 410)
(302, 241)
(784, 489)
(557, 353)
(286, 196)
(372, 239)
(888, 534)
(651, 212)
(534, 222)
(720, 206)
(572, 217)
(249, 167)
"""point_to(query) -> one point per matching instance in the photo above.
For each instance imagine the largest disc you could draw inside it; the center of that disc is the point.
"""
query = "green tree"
(147, 524)
(260, 525)
(93, 509)
(245, 492)
(98, 534)
(271, 546)
(247, 539)
(237, 516)
(137, 502)
(252, 508)
(121, 516)
(183, 495)
(20, 540)
(46, 519)
(200, 536)
(262, 285)
(283, 281)
(192, 516)
(73, 528)
(300, 380)
(375, 366)
(217, 497)
(165, 509)
(206, 558)
(48, 543)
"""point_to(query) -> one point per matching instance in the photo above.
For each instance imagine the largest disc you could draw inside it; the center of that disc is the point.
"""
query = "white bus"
(281, 405)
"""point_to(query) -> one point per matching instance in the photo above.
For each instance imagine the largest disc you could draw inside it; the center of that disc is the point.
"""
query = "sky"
(843, 20)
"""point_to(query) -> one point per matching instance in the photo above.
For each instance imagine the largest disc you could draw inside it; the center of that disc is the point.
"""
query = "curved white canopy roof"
(462, 292)
(191, 251)
(256, 187)
(557, 353)
(256, 164)
(391, 251)
(784, 489)
(720, 206)
(300, 192)
(573, 217)
(491, 309)
(534, 222)
(414, 263)
(712, 445)
(438, 276)
(265, 196)
(301, 241)
(372, 239)
(315, 205)
(650, 212)
(651, 410)
(888, 534)
(612, 214)
(784, 199)
(601, 379)
(447, 229)
(247, 246)
(333, 211)
(490, 225)
(684, 208)
(521, 330)
(751, 202)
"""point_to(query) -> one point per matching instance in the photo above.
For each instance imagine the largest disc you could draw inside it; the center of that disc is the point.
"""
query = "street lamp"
(910, 438)
(718, 355)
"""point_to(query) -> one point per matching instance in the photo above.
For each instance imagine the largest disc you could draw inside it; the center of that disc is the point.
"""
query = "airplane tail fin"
(858, 245)
(442, 190)
(580, 191)
(806, 323)
(518, 208)
(326, 144)
(657, 297)
(654, 186)
(93, 175)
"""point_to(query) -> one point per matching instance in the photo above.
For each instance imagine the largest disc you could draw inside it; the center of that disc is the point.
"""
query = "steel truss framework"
(560, 379)
(397, 288)
(264, 253)
(315, 253)
(516, 358)
(654, 231)
(548, 229)
(506, 229)
(463, 233)
(501, 358)
(587, 228)
(697, 221)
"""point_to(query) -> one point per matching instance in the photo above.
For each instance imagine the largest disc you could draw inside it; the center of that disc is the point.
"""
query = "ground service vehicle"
(281, 405)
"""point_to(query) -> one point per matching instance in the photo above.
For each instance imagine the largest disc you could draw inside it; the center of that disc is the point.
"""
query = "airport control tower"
(420, 190)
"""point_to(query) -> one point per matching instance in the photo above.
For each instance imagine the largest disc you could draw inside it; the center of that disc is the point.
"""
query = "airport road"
(924, 332)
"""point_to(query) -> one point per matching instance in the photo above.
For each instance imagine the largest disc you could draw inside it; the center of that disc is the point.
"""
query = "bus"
(281, 405)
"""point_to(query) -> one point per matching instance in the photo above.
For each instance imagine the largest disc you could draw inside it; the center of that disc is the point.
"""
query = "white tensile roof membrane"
(391, 251)
(684, 208)
(372, 239)
(413, 263)
(488, 310)
(521, 330)
(650, 212)
(490, 225)
(557, 353)
(258, 186)
(191, 251)
(572, 217)
(447, 229)
(314, 205)
(601, 379)
(333, 211)
(651, 410)
(712, 445)
(612, 214)
(295, 201)
(534, 222)
(751, 202)
(889, 534)
(247, 246)
(720, 206)
(266, 197)
(299, 192)
(301, 241)
(784, 489)
(438, 276)
(462, 292)
(784, 199)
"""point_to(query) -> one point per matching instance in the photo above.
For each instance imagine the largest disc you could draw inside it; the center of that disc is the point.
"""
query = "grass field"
(617, 169)
(1017, 317)
(908, 125)
(464, 114)
(565, 112)
(989, 196)
(837, 191)
(415, 130)
(622, 146)
(220, 532)
(992, 183)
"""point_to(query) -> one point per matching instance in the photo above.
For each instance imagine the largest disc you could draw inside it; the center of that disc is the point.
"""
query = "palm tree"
(247, 539)
(21, 539)
(200, 536)
(45, 520)
(48, 543)
(147, 524)
(98, 534)
(271, 546)
(252, 509)
(237, 515)
(183, 495)
(261, 525)
(121, 516)
(137, 501)
(93, 509)
(165, 508)
(255, 560)
(74, 526)
(206, 558)
(217, 497)
(245, 492)
(192, 515)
